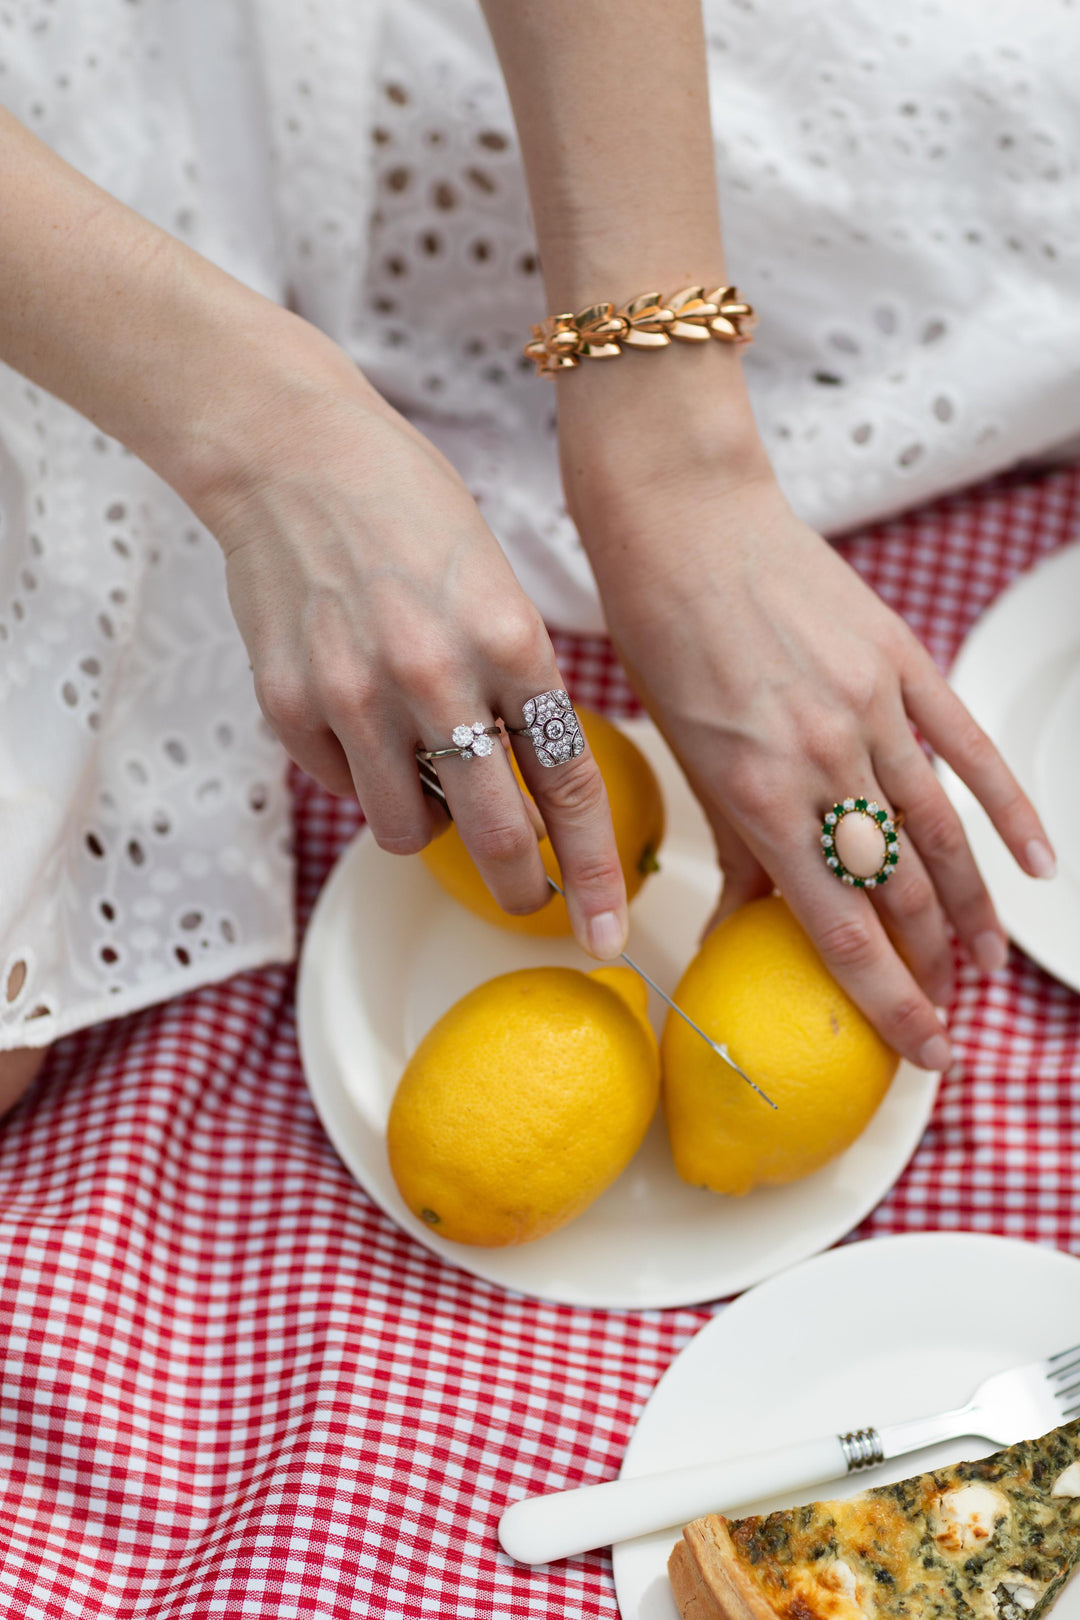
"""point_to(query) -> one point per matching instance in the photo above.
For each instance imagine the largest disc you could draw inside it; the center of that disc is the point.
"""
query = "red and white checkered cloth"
(232, 1387)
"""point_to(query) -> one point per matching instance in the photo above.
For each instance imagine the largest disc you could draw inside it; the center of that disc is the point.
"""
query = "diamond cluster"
(472, 740)
(553, 726)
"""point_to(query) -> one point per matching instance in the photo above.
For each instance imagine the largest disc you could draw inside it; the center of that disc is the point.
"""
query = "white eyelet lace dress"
(901, 203)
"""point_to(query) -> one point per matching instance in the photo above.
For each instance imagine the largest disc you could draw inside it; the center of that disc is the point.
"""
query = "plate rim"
(1018, 903)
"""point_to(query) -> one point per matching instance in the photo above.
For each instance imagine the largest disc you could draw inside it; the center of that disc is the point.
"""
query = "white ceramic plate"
(387, 952)
(1019, 674)
(870, 1333)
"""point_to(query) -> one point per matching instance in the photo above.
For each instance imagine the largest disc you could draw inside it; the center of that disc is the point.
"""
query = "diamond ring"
(552, 727)
(859, 842)
(469, 742)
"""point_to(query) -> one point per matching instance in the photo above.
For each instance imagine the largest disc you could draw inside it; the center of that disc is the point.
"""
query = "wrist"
(656, 422)
(263, 390)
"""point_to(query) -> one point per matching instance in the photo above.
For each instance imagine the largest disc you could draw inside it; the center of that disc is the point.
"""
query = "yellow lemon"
(637, 811)
(759, 984)
(524, 1102)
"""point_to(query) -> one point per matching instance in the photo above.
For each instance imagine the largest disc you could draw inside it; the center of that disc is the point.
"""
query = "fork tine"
(1061, 1374)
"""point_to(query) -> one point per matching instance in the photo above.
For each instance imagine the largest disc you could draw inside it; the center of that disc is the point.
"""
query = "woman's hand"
(783, 683)
(377, 608)
(379, 613)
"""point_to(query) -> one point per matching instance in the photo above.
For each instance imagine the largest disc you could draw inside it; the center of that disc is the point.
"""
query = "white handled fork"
(1014, 1405)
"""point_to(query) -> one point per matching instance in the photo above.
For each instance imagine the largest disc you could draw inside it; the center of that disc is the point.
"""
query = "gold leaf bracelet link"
(693, 311)
(735, 321)
(647, 320)
(601, 331)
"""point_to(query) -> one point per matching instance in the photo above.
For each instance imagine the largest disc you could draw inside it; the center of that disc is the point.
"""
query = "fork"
(1010, 1406)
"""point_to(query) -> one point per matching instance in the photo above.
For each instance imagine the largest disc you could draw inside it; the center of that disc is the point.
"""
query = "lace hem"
(227, 964)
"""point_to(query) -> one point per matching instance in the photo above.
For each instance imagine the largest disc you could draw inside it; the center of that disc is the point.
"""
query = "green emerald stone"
(860, 804)
(881, 815)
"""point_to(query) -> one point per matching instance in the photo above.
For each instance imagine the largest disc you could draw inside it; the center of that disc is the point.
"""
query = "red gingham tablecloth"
(232, 1387)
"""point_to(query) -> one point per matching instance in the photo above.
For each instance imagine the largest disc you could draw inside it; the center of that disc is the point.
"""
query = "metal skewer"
(431, 785)
(718, 1046)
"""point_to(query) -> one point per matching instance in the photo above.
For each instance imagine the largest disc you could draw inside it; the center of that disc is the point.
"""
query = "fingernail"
(990, 951)
(1040, 859)
(936, 1053)
(607, 935)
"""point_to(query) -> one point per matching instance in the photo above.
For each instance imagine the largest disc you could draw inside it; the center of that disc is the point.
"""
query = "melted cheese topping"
(831, 1591)
(1020, 1590)
(967, 1516)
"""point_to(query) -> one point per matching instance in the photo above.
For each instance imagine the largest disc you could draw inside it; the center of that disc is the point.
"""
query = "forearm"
(150, 341)
(611, 104)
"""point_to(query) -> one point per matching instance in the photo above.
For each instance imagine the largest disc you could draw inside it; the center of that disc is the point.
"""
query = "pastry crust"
(994, 1539)
(708, 1579)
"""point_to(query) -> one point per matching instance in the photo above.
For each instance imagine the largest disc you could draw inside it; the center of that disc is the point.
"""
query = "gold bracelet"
(648, 321)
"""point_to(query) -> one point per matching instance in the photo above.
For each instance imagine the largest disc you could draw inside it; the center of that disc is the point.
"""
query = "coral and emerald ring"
(859, 842)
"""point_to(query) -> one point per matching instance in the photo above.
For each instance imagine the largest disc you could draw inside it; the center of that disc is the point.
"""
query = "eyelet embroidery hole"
(16, 980)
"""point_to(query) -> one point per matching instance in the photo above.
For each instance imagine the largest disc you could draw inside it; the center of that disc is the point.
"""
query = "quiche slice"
(990, 1540)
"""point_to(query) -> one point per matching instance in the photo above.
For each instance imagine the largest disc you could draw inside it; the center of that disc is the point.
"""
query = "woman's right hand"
(379, 612)
(377, 608)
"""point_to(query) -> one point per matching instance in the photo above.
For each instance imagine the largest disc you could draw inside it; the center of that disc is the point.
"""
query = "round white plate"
(1019, 674)
(870, 1333)
(388, 952)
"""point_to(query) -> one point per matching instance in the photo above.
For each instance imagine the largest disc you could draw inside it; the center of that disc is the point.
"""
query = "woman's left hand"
(783, 683)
